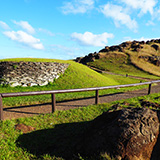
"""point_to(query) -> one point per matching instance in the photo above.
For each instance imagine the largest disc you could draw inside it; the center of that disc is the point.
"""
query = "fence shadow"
(19, 109)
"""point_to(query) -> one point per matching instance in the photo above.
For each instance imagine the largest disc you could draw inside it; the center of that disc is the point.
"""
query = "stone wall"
(30, 73)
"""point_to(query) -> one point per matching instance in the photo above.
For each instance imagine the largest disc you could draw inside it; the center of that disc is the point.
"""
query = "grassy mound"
(76, 76)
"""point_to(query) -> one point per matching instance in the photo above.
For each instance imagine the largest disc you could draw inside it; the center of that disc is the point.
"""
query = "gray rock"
(29, 73)
(14, 84)
(43, 83)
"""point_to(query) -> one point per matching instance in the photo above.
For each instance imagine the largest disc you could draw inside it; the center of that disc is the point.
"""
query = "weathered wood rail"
(53, 92)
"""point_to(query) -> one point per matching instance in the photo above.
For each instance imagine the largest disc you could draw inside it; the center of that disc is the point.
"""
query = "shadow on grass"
(61, 141)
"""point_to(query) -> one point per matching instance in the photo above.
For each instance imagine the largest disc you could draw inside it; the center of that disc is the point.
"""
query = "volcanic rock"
(128, 134)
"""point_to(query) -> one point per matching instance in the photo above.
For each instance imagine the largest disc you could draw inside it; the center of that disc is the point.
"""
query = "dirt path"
(27, 111)
(124, 75)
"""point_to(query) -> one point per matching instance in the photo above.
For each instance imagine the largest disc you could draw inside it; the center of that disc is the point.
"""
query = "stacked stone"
(30, 73)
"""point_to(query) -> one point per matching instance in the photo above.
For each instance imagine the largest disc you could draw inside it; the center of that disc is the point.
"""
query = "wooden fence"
(53, 92)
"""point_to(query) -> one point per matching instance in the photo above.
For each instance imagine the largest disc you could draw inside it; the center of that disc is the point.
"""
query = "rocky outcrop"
(151, 59)
(112, 49)
(155, 46)
(134, 46)
(30, 73)
(128, 134)
(89, 58)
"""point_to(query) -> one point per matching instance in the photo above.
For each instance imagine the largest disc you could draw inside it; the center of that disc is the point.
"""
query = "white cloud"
(24, 38)
(26, 26)
(46, 32)
(150, 23)
(119, 16)
(156, 14)
(4, 25)
(138, 39)
(91, 39)
(144, 5)
(77, 6)
(146, 39)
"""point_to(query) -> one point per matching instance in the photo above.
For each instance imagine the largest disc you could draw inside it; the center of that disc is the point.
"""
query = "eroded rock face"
(30, 73)
(151, 59)
(128, 134)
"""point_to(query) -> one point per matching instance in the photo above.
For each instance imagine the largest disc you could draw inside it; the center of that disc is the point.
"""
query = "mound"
(75, 76)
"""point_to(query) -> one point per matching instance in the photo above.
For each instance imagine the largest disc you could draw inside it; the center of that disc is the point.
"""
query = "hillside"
(138, 58)
(76, 76)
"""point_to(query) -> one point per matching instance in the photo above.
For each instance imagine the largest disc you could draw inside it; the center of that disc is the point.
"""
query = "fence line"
(53, 92)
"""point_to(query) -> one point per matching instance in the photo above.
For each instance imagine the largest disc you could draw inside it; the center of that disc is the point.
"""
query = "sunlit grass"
(76, 76)
(58, 131)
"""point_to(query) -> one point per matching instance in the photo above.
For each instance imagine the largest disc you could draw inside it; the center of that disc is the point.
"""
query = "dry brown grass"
(142, 64)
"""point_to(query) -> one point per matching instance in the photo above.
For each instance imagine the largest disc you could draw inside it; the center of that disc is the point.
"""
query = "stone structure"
(30, 73)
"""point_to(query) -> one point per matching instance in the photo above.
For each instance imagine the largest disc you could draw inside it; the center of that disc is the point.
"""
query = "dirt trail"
(27, 111)
(124, 75)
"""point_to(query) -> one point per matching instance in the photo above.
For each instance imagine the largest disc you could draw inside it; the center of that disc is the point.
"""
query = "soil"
(28, 111)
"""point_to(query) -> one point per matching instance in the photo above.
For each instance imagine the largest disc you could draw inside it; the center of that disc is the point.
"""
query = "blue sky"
(66, 29)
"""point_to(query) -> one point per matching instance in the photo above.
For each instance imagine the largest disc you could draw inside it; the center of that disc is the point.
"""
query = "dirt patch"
(24, 128)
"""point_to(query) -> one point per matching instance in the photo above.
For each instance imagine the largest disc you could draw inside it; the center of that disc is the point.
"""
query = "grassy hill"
(56, 134)
(133, 58)
(76, 76)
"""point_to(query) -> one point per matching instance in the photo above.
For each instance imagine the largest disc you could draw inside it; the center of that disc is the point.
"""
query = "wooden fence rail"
(53, 92)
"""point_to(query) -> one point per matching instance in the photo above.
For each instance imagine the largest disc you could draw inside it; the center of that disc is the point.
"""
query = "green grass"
(76, 76)
(56, 134)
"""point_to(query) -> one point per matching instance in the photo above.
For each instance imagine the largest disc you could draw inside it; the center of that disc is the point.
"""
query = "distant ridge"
(144, 55)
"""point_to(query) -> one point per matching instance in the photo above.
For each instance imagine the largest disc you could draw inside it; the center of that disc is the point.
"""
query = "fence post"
(97, 97)
(53, 102)
(149, 89)
(1, 108)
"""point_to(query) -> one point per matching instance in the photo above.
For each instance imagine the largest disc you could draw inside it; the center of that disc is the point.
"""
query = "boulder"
(104, 50)
(136, 47)
(128, 134)
(157, 41)
(155, 46)
(125, 44)
(116, 48)
(142, 42)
